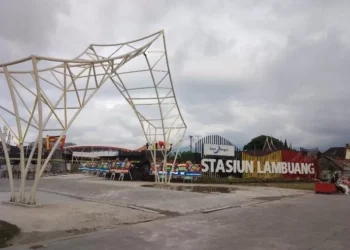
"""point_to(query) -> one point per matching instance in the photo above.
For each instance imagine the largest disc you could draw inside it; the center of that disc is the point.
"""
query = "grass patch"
(301, 184)
(7, 232)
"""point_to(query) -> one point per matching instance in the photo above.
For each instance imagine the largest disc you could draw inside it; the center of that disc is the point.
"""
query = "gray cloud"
(28, 26)
(240, 69)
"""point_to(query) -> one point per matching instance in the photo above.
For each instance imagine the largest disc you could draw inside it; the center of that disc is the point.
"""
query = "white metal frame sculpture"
(47, 98)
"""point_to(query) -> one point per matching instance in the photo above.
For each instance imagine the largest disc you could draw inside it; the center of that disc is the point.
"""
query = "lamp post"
(192, 139)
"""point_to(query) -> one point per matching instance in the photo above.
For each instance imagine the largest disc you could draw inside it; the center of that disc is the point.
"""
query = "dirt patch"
(37, 247)
(35, 237)
(197, 189)
(7, 232)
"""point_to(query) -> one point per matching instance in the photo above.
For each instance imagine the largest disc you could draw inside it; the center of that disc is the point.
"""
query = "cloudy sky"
(240, 68)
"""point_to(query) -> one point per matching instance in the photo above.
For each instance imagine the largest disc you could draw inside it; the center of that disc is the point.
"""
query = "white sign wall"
(95, 154)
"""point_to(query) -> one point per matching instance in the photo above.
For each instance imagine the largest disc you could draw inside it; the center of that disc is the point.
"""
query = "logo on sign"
(223, 150)
(218, 149)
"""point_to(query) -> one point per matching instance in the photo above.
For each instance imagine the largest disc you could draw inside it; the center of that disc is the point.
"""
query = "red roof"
(343, 163)
(89, 148)
(141, 149)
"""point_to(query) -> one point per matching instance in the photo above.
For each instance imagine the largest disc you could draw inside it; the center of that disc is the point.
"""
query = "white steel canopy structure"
(44, 95)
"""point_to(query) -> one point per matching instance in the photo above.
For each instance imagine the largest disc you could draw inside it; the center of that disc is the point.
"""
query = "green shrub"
(231, 180)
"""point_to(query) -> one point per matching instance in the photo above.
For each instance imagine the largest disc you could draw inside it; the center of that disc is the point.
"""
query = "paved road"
(317, 222)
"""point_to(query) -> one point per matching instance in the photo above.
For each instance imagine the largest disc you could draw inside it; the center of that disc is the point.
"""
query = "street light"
(192, 139)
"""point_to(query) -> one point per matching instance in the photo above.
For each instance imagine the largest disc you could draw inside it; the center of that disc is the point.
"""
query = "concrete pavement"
(259, 217)
(317, 222)
(132, 193)
(167, 201)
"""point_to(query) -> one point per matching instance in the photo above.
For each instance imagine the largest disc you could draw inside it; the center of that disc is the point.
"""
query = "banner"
(178, 173)
(53, 139)
(115, 170)
(183, 169)
(297, 157)
(274, 157)
(94, 169)
(96, 154)
(252, 167)
(116, 167)
(121, 167)
(220, 150)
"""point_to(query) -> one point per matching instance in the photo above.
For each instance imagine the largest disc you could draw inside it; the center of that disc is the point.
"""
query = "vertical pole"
(165, 171)
(52, 151)
(191, 136)
(40, 134)
(65, 95)
(172, 167)
(29, 160)
(18, 124)
(160, 110)
(156, 177)
(8, 165)
(23, 174)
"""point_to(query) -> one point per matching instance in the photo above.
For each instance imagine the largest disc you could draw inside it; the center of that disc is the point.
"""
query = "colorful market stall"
(179, 170)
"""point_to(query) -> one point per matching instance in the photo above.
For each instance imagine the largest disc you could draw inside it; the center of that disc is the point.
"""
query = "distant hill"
(183, 148)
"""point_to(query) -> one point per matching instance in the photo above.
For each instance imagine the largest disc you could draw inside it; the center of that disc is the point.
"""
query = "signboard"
(95, 154)
(53, 139)
(178, 173)
(237, 166)
(120, 170)
(121, 167)
(184, 169)
(82, 168)
(220, 150)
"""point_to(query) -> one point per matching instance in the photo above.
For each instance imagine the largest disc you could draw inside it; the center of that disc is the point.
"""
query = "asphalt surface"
(311, 222)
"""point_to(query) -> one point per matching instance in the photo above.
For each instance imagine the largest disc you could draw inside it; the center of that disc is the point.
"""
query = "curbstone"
(216, 209)
(10, 203)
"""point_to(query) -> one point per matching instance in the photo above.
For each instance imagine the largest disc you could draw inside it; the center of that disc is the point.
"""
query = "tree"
(186, 156)
(183, 156)
(285, 145)
(258, 142)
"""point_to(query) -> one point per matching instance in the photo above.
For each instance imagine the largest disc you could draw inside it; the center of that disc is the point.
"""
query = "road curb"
(10, 203)
(143, 209)
(61, 193)
(216, 209)
(99, 201)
